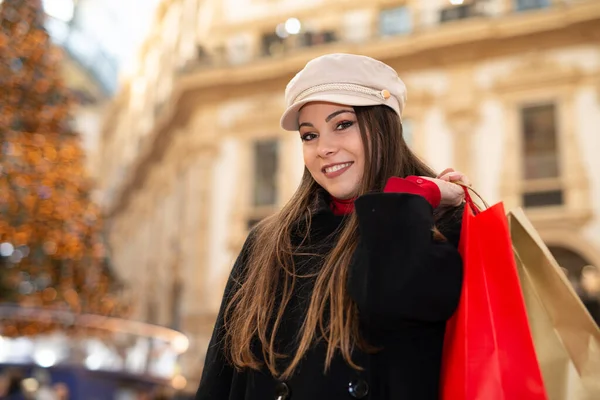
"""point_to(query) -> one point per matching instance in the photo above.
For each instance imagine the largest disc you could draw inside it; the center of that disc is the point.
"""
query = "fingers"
(465, 179)
(445, 172)
(459, 177)
(452, 195)
(450, 175)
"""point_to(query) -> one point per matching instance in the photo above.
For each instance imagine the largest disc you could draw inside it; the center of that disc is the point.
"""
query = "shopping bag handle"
(469, 200)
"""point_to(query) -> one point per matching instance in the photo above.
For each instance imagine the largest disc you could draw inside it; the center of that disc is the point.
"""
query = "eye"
(344, 125)
(307, 137)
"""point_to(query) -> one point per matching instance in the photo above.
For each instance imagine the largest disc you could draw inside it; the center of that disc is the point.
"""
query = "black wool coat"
(406, 286)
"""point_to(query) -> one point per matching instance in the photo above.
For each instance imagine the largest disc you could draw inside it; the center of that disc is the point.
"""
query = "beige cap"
(347, 79)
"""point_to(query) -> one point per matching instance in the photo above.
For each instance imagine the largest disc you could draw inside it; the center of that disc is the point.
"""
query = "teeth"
(336, 167)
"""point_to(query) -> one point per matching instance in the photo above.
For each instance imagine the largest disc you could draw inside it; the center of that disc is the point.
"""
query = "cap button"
(385, 93)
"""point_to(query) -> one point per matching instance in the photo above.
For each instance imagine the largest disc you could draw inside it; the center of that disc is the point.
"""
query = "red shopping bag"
(488, 351)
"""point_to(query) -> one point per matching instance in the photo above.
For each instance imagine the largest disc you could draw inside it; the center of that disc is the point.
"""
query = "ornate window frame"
(539, 81)
(259, 122)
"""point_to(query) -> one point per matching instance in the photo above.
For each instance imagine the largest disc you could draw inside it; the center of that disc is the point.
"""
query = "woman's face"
(332, 146)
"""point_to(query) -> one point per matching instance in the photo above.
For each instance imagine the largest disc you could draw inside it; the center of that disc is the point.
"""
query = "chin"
(342, 194)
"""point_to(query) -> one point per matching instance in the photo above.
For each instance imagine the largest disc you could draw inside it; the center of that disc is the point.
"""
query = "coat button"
(358, 389)
(420, 181)
(282, 391)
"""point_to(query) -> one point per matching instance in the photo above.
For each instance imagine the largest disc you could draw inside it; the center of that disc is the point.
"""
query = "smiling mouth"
(334, 168)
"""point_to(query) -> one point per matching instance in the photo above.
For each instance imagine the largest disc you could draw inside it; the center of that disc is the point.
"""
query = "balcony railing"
(94, 343)
(393, 22)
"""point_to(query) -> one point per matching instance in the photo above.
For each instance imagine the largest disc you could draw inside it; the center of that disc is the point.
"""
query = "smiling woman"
(346, 290)
(333, 148)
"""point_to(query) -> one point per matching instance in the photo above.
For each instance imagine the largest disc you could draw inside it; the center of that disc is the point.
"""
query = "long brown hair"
(253, 312)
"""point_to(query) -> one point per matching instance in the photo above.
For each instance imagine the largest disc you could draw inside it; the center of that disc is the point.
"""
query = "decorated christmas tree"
(52, 255)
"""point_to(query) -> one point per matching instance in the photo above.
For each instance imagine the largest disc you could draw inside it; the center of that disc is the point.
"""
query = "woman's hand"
(450, 175)
(452, 195)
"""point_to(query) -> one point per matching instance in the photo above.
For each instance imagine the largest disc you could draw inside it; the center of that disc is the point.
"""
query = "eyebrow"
(329, 117)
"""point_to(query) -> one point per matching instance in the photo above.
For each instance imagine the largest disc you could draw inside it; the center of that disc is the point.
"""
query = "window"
(543, 198)
(314, 38)
(462, 11)
(272, 44)
(176, 301)
(265, 173)
(239, 49)
(523, 5)
(540, 142)
(357, 26)
(541, 167)
(264, 190)
(395, 21)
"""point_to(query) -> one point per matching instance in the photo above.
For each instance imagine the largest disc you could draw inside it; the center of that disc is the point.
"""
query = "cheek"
(306, 155)
(310, 159)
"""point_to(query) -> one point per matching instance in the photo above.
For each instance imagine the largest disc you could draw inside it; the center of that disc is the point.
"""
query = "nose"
(327, 146)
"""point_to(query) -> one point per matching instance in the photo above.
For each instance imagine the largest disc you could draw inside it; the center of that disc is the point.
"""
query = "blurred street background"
(140, 141)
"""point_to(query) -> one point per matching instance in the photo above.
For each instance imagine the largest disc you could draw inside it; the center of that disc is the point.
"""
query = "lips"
(335, 170)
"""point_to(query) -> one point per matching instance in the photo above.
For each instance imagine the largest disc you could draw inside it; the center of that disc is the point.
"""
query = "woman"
(345, 292)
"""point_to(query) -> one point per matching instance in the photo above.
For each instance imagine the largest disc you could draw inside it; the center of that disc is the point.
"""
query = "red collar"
(342, 207)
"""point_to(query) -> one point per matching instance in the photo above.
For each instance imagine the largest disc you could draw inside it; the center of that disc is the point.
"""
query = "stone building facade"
(192, 154)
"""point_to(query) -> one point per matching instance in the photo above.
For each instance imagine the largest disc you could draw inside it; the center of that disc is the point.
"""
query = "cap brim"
(289, 119)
